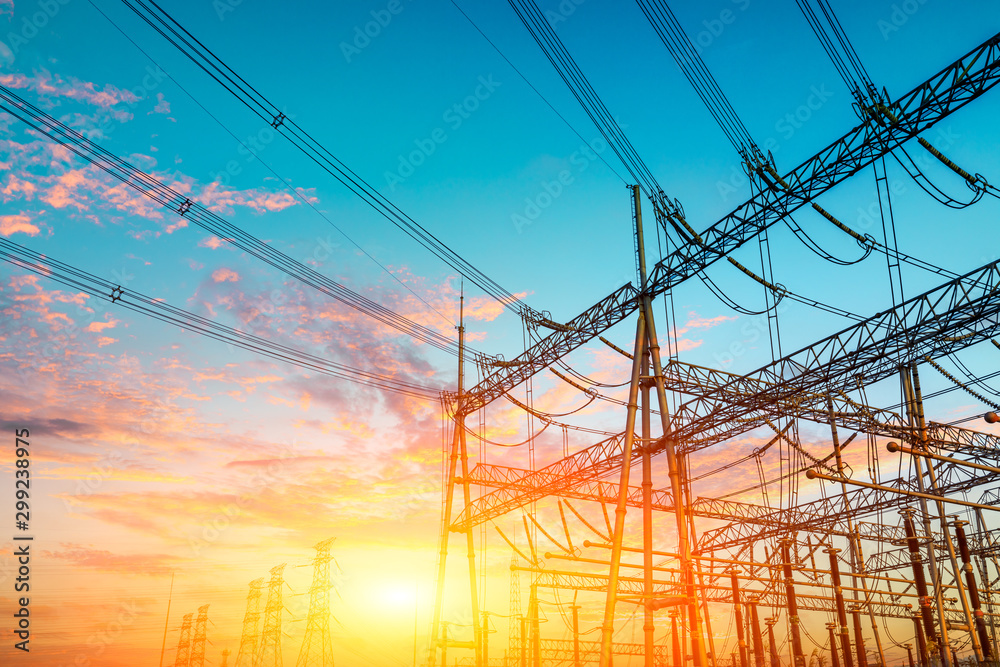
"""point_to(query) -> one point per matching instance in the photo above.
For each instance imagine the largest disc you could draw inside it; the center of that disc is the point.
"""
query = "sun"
(398, 596)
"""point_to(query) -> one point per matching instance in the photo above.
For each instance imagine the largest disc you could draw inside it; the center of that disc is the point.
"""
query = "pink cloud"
(220, 199)
(180, 224)
(18, 188)
(97, 327)
(85, 556)
(225, 275)
(213, 242)
(162, 105)
(54, 85)
(697, 322)
(13, 224)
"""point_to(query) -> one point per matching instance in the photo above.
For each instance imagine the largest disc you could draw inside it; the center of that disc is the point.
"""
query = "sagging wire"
(958, 383)
(914, 171)
(971, 377)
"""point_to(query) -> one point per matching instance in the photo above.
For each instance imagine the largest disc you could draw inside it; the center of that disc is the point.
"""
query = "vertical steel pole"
(607, 628)
(919, 580)
(524, 641)
(970, 581)
(854, 540)
(470, 546)
(920, 442)
(798, 658)
(834, 658)
(962, 593)
(576, 636)
(648, 626)
(984, 571)
(673, 465)
(444, 644)
(772, 646)
(758, 644)
(838, 596)
(678, 658)
(859, 639)
(536, 640)
(918, 635)
(738, 608)
(486, 638)
(436, 639)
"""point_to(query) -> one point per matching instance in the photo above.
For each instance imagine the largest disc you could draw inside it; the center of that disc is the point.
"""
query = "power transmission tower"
(269, 651)
(198, 643)
(225, 658)
(183, 655)
(248, 641)
(317, 647)
(513, 640)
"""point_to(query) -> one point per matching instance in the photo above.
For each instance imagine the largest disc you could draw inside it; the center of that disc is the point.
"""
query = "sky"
(168, 466)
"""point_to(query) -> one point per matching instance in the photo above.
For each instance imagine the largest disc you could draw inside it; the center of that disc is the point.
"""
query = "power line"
(209, 221)
(165, 25)
(159, 309)
(293, 191)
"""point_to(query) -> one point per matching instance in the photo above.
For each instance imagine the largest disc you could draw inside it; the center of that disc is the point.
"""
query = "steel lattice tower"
(183, 656)
(248, 642)
(317, 647)
(269, 652)
(513, 623)
(225, 658)
(198, 643)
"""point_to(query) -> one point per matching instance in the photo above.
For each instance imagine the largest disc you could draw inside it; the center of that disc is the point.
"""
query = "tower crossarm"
(578, 475)
(947, 91)
(516, 487)
(954, 316)
(632, 587)
(832, 512)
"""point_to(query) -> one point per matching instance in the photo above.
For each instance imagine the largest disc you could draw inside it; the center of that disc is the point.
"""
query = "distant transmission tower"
(225, 658)
(248, 642)
(514, 623)
(269, 651)
(198, 643)
(183, 656)
(317, 647)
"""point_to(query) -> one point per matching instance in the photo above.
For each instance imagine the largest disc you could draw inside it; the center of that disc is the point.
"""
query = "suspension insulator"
(943, 159)
(844, 228)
